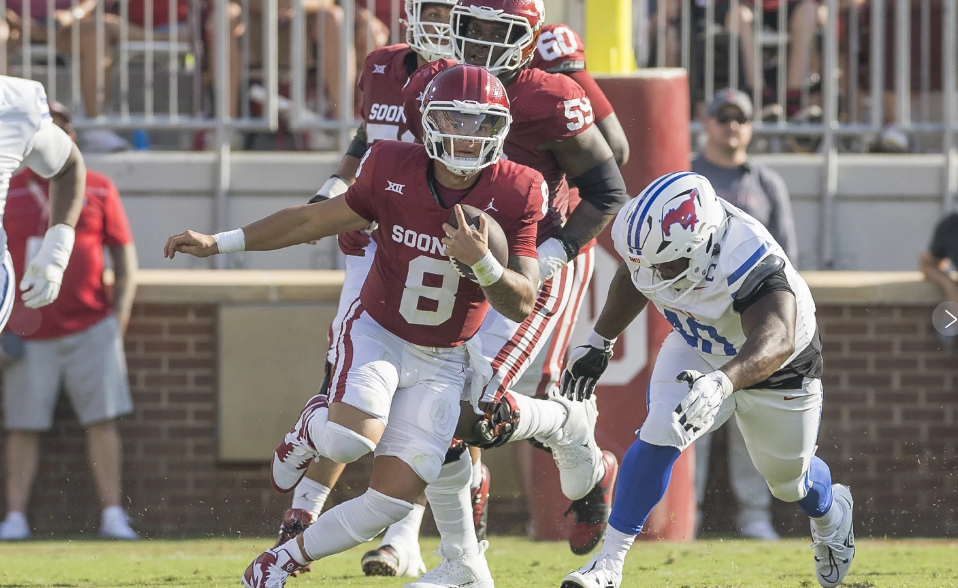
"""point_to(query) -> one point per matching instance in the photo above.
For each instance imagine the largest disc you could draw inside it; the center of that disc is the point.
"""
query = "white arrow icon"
(953, 319)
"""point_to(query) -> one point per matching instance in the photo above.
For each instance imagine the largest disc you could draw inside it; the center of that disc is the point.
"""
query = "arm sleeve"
(48, 150)
(782, 222)
(359, 196)
(116, 225)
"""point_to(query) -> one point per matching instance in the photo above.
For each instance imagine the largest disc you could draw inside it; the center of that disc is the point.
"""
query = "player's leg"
(409, 455)
(751, 493)
(647, 465)
(780, 428)
(479, 484)
(30, 389)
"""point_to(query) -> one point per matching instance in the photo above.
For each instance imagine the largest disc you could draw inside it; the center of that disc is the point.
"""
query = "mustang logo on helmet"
(683, 214)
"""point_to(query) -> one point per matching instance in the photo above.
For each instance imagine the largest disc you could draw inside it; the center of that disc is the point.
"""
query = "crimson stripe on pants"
(344, 350)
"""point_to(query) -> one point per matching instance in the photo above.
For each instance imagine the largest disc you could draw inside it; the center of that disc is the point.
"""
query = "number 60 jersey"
(413, 291)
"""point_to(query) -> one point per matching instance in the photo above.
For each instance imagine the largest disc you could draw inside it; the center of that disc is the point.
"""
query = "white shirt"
(705, 317)
(27, 135)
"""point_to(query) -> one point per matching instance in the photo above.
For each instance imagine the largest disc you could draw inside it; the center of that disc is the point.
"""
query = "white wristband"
(488, 270)
(230, 241)
(598, 341)
(334, 186)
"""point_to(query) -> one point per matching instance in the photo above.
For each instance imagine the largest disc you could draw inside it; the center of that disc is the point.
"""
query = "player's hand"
(700, 406)
(586, 365)
(552, 258)
(192, 243)
(354, 243)
(466, 244)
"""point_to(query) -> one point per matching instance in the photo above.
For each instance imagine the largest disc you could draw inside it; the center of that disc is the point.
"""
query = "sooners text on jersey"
(384, 74)
(413, 290)
(545, 107)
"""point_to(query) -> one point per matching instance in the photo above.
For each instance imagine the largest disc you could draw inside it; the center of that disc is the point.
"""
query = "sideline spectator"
(760, 192)
(77, 341)
(942, 251)
(83, 16)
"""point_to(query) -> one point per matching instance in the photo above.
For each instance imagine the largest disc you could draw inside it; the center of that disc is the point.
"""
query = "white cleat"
(293, 455)
(468, 571)
(761, 530)
(834, 554)
(574, 449)
(600, 572)
(14, 527)
(115, 524)
(394, 560)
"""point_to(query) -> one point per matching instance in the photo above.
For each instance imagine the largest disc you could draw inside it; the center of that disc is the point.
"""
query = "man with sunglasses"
(761, 193)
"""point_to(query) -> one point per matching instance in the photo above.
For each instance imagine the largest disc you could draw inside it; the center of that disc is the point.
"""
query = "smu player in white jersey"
(744, 342)
(29, 137)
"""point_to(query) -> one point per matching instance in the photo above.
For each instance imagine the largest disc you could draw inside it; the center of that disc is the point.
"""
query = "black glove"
(586, 364)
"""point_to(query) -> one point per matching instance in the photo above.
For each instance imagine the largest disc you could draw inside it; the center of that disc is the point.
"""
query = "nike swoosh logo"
(790, 398)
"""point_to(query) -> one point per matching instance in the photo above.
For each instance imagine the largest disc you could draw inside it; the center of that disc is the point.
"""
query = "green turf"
(515, 563)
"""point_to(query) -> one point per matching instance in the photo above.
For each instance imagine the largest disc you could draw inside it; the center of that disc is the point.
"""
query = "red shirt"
(545, 107)
(412, 290)
(83, 299)
(161, 12)
(384, 75)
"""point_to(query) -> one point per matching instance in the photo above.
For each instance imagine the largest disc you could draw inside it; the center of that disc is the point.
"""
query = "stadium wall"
(889, 424)
(165, 192)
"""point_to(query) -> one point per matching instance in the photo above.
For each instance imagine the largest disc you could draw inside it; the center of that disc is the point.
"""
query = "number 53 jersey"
(413, 291)
(706, 317)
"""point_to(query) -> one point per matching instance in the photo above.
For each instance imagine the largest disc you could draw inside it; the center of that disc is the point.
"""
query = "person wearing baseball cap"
(760, 192)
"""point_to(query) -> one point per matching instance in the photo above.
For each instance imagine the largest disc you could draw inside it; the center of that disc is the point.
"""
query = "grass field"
(515, 563)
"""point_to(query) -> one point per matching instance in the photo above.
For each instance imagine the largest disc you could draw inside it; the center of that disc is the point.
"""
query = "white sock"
(292, 547)
(827, 525)
(538, 418)
(16, 515)
(353, 522)
(310, 496)
(405, 532)
(617, 545)
(451, 504)
(476, 474)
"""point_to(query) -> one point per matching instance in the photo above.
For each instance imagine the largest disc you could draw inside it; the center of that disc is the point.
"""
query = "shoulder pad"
(763, 269)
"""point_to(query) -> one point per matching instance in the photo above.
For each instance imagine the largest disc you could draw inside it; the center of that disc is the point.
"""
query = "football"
(497, 239)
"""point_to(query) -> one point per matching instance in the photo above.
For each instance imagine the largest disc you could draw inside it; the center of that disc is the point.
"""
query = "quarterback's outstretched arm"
(769, 327)
(288, 227)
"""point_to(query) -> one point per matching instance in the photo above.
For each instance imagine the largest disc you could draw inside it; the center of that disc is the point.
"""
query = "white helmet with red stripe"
(428, 37)
(500, 35)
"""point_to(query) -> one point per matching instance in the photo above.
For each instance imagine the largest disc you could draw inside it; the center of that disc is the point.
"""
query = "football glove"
(700, 406)
(354, 243)
(44, 274)
(586, 364)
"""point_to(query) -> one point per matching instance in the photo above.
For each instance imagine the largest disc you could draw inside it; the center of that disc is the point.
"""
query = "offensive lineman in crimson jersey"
(411, 330)
(552, 132)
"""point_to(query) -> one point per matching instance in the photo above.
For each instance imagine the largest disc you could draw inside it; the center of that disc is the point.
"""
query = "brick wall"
(888, 430)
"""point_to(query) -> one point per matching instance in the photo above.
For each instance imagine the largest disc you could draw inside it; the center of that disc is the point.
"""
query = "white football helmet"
(431, 40)
(678, 215)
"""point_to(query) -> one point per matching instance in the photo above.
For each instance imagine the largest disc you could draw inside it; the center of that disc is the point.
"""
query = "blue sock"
(819, 498)
(643, 479)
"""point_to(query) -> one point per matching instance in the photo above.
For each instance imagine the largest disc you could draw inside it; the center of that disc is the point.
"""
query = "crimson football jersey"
(545, 107)
(561, 50)
(413, 290)
(385, 72)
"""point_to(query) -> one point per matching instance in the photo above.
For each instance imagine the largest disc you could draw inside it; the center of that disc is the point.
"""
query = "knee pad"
(420, 429)
(343, 445)
(373, 512)
(498, 423)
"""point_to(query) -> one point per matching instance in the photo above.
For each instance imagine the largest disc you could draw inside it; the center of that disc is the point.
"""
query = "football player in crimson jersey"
(552, 132)
(411, 329)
